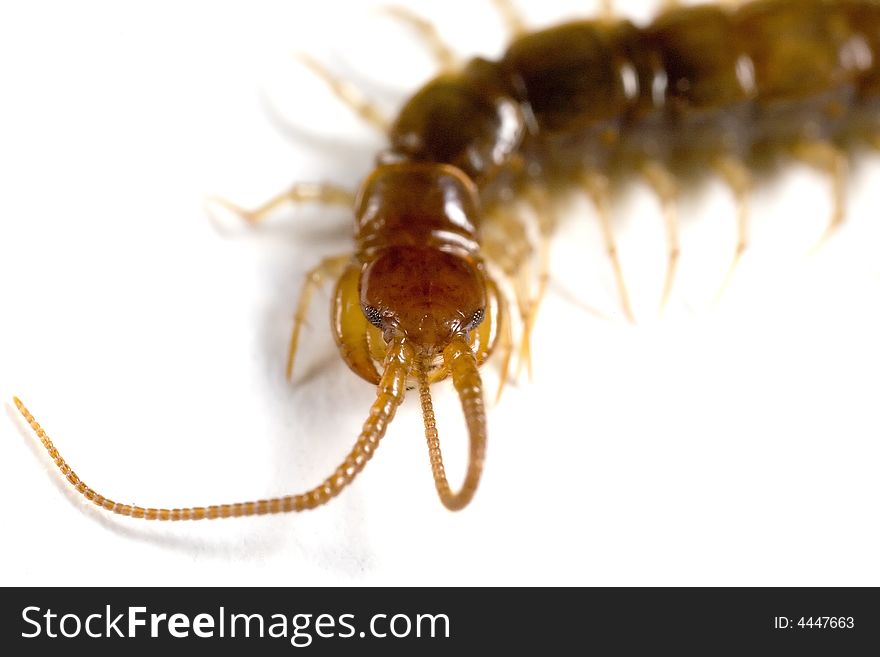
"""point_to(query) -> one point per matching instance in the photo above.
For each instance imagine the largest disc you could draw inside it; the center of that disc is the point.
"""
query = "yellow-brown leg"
(443, 54)
(512, 17)
(328, 267)
(298, 193)
(665, 186)
(531, 293)
(829, 159)
(506, 244)
(739, 179)
(349, 94)
(505, 343)
(597, 186)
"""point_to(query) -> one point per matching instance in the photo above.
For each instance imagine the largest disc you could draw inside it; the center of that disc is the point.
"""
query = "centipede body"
(611, 372)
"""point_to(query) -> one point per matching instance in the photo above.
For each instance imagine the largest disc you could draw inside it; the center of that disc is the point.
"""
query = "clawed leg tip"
(288, 371)
(829, 233)
(304, 58)
(225, 214)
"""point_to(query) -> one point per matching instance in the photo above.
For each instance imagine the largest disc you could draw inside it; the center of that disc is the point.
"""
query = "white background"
(730, 443)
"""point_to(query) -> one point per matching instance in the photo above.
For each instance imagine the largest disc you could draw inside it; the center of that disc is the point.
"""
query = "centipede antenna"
(512, 17)
(737, 176)
(444, 55)
(349, 95)
(328, 194)
(661, 180)
(831, 160)
(597, 186)
(389, 396)
(466, 379)
(328, 268)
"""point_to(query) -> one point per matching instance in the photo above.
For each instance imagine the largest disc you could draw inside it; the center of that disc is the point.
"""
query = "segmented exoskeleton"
(706, 88)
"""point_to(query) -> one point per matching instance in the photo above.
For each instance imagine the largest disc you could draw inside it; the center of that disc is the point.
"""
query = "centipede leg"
(737, 176)
(349, 95)
(505, 344)
(512, 17)
(598, 188)
(506, 244)
(298, 193)
(331, 267)
(829, 159)
(664, 185)
(443, 54)
(531, 297)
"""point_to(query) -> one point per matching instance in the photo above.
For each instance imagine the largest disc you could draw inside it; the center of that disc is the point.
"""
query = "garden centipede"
(665, 100)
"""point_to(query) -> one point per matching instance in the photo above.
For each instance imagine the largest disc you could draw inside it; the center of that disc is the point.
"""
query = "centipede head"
(425, 294)
(418, 280)
(434, 300)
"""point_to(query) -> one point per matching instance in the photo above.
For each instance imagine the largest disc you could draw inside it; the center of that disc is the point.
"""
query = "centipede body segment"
(438, 251)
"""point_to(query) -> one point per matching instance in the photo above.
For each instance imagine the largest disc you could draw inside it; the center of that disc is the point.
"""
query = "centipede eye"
(477, 319)
(373, 315)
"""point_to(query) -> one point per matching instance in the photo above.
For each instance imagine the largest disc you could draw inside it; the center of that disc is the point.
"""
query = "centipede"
(445, 275)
